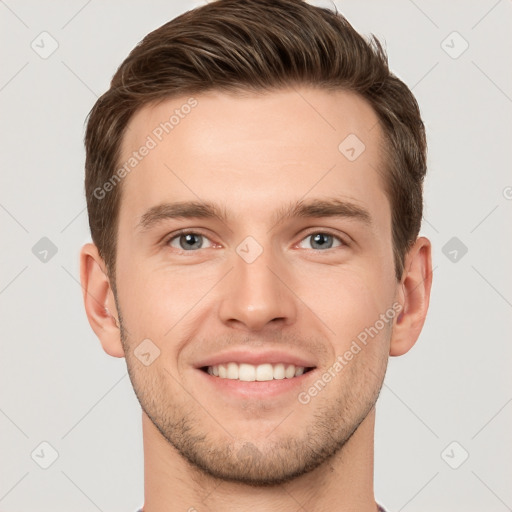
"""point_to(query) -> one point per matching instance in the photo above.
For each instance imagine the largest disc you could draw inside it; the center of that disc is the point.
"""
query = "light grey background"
(57, 385)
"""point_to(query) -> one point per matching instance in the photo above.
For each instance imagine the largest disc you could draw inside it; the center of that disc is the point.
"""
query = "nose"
(256, 294)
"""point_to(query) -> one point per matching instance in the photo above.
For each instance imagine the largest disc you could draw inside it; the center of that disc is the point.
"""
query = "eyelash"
(181, 232)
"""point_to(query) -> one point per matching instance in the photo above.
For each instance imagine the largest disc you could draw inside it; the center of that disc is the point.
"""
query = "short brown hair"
(258, 45)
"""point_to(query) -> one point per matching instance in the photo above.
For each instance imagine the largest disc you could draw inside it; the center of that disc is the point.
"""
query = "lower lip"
(257, 389)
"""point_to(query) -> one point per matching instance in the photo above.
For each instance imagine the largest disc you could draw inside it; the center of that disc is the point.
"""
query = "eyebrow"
(312, 208)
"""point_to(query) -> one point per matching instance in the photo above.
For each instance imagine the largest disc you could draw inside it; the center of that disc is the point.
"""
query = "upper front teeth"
(249, 372)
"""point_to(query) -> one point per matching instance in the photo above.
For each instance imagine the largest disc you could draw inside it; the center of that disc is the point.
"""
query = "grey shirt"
(381, 509)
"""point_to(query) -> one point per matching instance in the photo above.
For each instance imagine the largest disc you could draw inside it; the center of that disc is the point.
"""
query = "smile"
(250, 373)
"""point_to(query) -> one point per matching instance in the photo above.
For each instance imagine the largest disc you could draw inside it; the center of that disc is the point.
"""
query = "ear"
(99, 302)
(414, 296)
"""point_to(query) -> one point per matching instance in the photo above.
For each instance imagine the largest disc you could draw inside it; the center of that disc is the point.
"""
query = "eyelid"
(185, 231)
(345, 240)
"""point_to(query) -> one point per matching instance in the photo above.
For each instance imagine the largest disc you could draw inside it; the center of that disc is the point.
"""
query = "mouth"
(246, 372)
(250, 375)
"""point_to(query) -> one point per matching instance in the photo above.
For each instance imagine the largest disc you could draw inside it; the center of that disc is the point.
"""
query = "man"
(254, 188)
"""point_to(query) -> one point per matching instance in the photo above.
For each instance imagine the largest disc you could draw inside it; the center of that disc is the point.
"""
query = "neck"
(344, 482)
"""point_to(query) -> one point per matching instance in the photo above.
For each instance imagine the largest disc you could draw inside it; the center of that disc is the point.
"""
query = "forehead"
(251, 153)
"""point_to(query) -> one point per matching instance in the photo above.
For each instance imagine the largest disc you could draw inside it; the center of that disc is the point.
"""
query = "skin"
(252, 154)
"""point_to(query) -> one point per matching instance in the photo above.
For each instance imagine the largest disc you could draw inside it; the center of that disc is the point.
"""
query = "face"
(251, 245)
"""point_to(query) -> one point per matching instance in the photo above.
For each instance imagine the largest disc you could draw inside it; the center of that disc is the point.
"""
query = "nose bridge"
(255, 293)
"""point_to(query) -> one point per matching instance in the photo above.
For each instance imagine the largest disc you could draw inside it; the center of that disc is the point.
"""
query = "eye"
(188, 241)
(323, 241)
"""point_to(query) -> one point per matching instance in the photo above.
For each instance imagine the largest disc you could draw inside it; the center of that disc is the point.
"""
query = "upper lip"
(256, 358)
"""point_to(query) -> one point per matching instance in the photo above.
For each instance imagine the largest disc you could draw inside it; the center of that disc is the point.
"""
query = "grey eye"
(188, 241)
(322, 241)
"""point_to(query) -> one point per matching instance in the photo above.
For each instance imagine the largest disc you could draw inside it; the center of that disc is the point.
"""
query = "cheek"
(346, 299)
(154, 299)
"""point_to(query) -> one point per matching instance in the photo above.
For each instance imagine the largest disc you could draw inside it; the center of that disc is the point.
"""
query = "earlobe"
(99, 300)
(414, 296)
